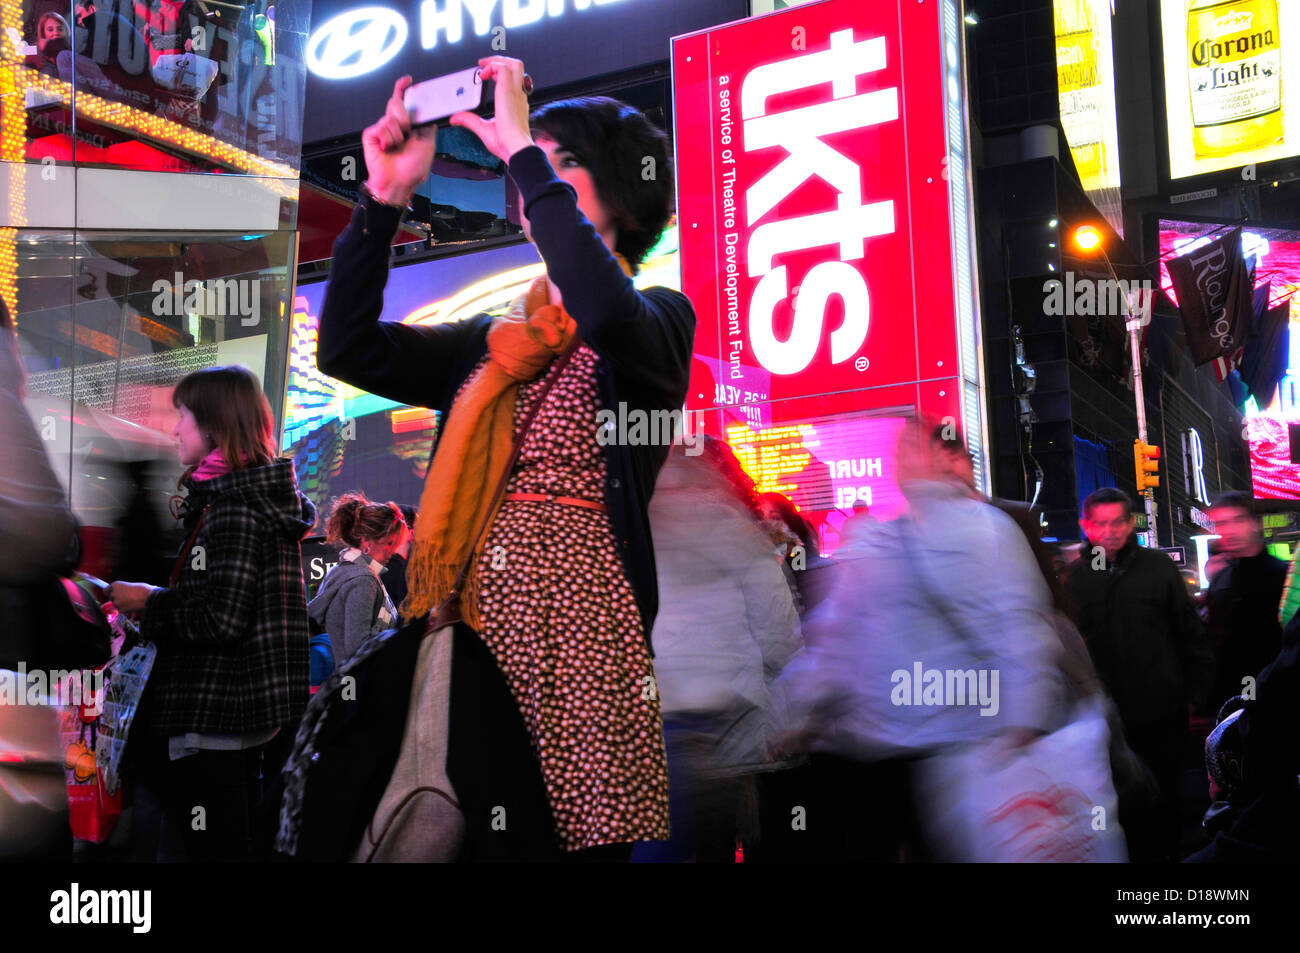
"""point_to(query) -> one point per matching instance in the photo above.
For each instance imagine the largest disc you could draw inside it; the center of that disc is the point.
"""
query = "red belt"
(547, 498)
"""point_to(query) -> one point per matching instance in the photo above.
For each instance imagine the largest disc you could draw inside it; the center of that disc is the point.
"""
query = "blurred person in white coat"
(727, 625)
(949, 587)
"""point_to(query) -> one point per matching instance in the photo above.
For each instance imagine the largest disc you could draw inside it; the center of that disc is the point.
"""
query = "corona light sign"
(823, 211)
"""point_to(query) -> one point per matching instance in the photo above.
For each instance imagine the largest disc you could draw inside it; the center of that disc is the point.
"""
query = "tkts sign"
(814, 205)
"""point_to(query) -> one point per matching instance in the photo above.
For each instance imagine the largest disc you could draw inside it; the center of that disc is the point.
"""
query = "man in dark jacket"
(1243, 598)
(1149, 648)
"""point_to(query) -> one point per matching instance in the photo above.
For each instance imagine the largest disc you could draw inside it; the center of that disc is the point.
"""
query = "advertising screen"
(1231, 96)
(345, 439)
(1269, 419)
(824, 221)
(832, 469)
(1085, 80)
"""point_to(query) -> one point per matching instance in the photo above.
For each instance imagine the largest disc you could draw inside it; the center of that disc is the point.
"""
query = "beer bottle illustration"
(1234, 75)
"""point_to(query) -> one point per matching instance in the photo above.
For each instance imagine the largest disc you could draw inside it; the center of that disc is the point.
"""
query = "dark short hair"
(1237, 500)
(1106, 495)
(950, 438)
(612, 140)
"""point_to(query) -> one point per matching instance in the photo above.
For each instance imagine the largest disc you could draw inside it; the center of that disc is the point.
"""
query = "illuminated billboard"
(1276, 253)
(824, 218)
(832, 469)
(343, 438)
(1230, 97)
(1085, 81)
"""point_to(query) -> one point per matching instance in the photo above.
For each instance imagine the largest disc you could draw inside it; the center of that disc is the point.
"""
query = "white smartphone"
(440, 97)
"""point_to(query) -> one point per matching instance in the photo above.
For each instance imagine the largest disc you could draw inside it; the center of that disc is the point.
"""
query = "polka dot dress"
(562, 622)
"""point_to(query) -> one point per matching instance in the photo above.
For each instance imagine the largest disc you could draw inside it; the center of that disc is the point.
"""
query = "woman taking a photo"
(352, 603)
(230, 681)
(556, 740)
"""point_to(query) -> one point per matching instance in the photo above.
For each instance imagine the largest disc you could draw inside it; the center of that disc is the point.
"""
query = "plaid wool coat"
(232, 633)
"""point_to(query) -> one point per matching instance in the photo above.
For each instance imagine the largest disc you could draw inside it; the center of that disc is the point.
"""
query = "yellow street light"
(1087, 238)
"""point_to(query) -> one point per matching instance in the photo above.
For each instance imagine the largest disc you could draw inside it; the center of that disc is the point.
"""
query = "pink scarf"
(211, 466)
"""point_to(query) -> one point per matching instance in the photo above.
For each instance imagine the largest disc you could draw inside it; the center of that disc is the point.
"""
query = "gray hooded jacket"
(351, 605)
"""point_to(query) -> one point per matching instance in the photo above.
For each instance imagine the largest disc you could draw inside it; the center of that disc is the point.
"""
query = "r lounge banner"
(1214, 296)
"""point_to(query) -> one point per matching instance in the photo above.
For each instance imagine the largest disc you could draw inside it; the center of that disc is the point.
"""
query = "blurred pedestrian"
(721, 640)
(395, 578)
(1242, 602)
(231, 677)
(951, 586)
(37, 546)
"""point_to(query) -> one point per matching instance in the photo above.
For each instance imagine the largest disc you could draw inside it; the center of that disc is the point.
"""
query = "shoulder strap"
(381, 594)
(504, 482)
(185, 550)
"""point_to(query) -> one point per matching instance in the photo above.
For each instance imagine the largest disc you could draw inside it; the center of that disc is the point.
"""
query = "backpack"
(345, 751)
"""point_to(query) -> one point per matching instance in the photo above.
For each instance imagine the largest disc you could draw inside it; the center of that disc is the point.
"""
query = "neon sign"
(363, 39)
(824, 215)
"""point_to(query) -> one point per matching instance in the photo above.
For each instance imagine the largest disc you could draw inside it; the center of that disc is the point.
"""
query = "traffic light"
(1145, 461)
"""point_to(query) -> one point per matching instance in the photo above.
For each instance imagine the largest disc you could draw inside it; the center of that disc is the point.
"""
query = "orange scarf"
(472, 454)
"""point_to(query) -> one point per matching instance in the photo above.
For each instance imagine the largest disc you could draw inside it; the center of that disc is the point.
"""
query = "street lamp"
(1088, 240)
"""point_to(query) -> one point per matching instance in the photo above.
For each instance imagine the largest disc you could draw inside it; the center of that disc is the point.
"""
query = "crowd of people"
(576, 650)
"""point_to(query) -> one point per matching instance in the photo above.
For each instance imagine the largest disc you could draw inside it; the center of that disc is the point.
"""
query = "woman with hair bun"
(352, 603)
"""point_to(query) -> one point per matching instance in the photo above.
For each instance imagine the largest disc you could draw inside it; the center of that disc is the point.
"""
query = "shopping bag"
(126, 677)
(1051, 801)
(92, 811)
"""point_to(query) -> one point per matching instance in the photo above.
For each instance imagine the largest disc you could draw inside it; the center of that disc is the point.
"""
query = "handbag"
(367, 782)
(93, 812)
(1051, 800)
(125, 677)
(418, 818)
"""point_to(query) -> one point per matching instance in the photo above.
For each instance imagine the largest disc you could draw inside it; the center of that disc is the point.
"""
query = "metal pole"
(1132, 323)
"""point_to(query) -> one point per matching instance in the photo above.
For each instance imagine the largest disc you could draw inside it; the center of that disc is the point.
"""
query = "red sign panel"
(814, 215)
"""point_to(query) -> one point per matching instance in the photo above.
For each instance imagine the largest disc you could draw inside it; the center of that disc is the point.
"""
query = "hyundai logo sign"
(355, 43)
(364, 39)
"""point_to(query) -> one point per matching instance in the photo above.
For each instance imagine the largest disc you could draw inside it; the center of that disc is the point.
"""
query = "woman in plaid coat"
(231, 678)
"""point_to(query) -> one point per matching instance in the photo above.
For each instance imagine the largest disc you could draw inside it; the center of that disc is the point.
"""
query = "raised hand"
(507, 131)
(398, 158)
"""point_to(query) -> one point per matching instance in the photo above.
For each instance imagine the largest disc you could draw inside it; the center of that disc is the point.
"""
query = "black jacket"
(1143, 632)
(1243, 625)
(643, 339)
